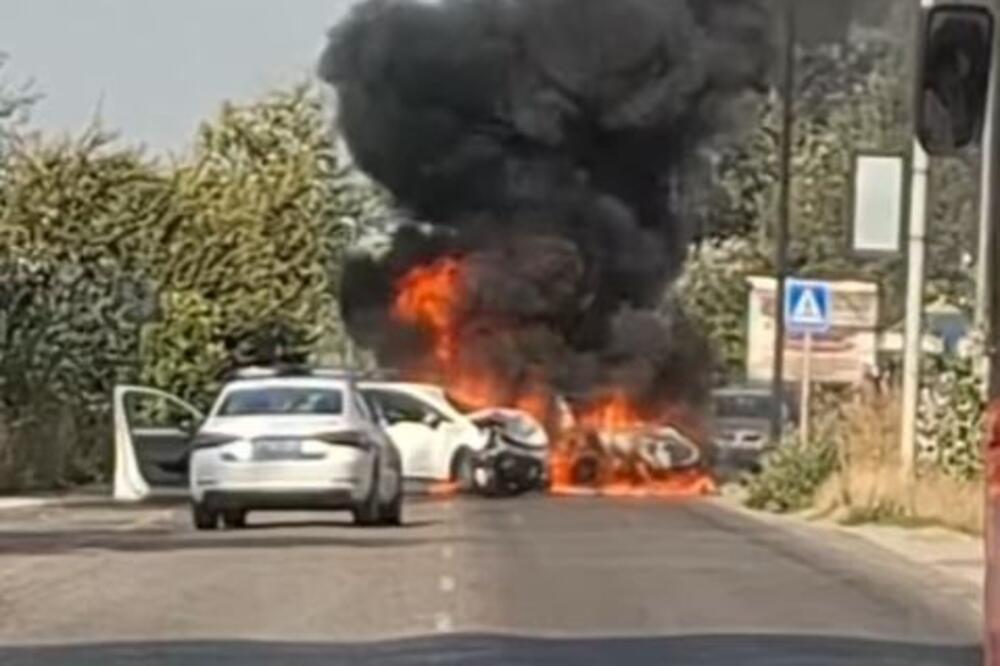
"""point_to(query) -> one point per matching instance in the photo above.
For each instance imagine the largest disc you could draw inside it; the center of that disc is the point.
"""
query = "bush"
(950, 418)
(791, 476)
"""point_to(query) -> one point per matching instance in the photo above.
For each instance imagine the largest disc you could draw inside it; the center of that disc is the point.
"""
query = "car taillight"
(353, 439)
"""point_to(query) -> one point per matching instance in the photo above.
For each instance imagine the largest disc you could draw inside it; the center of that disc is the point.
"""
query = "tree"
(252, 253)
(70, 214)
(16, 101)
(848, 98)
(116, 268)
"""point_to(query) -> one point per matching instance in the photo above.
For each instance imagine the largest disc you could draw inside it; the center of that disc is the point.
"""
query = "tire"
(586, 471)
(392, 513)
(368, 512)
(463, 469)
(204, 518)
(234, 519)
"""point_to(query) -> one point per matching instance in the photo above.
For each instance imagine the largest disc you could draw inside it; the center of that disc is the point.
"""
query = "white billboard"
(842, 355)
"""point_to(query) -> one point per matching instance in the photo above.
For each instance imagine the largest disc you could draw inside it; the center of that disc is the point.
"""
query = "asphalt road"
(527, 581)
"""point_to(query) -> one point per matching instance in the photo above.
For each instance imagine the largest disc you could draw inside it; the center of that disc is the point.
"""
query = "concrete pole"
(988, 206)
(916, 257)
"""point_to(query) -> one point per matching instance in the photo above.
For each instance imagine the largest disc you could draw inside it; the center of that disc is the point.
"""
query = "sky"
(154, 69)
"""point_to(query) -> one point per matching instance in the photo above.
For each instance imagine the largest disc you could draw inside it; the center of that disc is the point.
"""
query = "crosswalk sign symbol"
(807, 306)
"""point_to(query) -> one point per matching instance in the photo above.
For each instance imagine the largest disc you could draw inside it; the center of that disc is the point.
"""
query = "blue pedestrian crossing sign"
(807, 306)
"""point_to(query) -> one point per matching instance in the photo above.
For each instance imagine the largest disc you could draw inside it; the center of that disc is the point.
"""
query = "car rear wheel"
(368, 513)
(235, 518)
(463, 470)
(204, 518)
(392, 513)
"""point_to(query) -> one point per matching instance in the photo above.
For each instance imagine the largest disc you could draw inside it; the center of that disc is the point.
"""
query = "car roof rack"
(293, 370)
(277, 371)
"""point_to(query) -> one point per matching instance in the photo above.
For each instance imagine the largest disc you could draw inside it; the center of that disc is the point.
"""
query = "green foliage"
(714, 291)
(114, 268)
(849, 97)
(950, 418)
(791, 476)
(246, 261)
(69, 328)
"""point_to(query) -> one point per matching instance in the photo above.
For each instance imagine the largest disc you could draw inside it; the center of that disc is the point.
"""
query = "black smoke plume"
(543, 142)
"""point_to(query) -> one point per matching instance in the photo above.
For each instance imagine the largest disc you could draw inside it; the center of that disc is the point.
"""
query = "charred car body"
(636, 454)
(515, 459)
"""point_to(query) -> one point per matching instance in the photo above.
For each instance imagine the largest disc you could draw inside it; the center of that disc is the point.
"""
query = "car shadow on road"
(708, 650)
(346, 524)
(150, 541)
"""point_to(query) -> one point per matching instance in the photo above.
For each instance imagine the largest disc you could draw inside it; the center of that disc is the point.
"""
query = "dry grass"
(869, 486)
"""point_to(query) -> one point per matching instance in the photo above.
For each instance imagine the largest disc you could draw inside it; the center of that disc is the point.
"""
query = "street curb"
(867, 534)
(22, 502)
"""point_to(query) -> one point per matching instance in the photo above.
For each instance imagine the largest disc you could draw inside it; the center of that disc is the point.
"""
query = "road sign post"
(807, 310)
(806, 387)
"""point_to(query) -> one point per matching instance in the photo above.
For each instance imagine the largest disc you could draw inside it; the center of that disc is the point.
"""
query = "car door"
(152, 432)
(412, 427)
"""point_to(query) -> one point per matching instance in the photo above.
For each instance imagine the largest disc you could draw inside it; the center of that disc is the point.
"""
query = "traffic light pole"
(781, 235)
(916, 259)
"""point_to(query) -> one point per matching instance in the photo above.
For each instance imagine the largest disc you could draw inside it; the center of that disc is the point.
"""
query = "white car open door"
(152, 433)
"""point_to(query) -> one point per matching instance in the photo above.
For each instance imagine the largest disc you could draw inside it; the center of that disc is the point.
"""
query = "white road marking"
(447, 584)
(442, 623)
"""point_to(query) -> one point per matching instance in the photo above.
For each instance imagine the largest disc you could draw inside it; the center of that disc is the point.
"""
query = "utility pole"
(988, 212)
(916, 258)
(784, 214)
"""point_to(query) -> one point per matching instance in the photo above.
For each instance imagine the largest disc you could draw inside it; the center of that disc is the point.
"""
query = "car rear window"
(743, 406)
(274, 401)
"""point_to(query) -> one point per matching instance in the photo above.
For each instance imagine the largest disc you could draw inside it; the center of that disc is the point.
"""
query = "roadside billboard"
(844, 354)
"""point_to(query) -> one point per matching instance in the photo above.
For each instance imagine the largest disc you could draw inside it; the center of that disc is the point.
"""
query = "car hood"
(276, 426)
(514, 425)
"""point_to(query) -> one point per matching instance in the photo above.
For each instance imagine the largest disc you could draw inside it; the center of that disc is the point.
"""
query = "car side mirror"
(432, 420)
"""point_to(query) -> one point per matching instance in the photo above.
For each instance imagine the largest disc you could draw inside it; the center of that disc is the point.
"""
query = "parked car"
(742, 425)
(272, 440)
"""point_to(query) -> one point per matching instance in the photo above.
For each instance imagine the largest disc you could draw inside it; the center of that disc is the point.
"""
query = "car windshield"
(743, 406)
(285, 400)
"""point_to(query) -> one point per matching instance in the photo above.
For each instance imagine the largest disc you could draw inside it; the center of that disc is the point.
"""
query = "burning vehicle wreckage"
(540, 154)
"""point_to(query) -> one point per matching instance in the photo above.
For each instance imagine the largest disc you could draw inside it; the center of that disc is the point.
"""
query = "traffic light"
(956, 59)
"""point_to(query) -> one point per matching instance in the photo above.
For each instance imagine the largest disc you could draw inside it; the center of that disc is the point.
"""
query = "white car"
(302, 441)
(437, 442)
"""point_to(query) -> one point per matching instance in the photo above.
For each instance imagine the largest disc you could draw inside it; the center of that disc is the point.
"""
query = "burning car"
(613, 449)
(641, 453)
(515, 460)
(491, 451)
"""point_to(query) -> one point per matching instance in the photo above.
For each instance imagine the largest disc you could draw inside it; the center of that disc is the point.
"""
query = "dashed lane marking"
(442, 623)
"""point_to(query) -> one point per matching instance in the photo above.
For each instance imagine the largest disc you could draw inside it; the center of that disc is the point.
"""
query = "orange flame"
(428, 296)
(612, 414)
